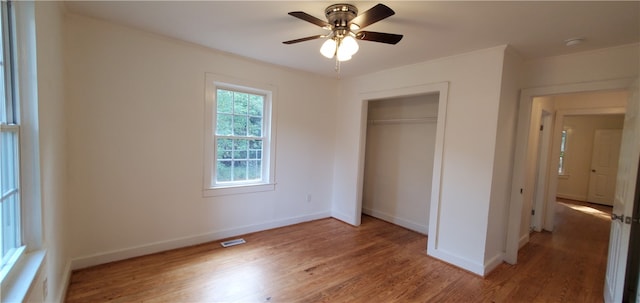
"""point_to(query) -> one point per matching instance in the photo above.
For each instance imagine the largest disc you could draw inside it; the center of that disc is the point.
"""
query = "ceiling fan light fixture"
(343, 56)
(349, 44)
(328, 48)
(346, 26)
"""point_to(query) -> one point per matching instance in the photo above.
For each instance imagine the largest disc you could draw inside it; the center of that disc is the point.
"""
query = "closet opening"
(399, 157)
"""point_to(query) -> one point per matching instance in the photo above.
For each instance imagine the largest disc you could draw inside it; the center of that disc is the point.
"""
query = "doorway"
(399, 154)
(525, 165)
(582, 99)
(437, 91)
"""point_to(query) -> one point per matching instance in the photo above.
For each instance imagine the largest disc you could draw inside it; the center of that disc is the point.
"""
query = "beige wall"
(574, 184)
(136, 144)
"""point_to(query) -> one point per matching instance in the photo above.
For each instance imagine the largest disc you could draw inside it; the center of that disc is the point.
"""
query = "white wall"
(468, 161)
(598, 65)
(399, 160)
(135, 144)
(574, 184)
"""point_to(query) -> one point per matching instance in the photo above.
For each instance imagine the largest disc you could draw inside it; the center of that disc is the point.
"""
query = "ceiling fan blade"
(379, 37)
(373, 15)
(303, 39)
(306, 17)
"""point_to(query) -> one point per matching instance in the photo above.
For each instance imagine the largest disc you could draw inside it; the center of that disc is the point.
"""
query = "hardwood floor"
(330, 261)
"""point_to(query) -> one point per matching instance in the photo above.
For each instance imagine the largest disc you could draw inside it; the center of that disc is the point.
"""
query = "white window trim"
(21, 275)
(212, 83)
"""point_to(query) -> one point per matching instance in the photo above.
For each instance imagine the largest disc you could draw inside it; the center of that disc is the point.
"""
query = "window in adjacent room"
(563, 152)
(239, 138)
(9, 153)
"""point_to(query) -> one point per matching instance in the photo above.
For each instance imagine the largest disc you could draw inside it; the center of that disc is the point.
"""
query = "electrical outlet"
(308, 197)
(45, 289)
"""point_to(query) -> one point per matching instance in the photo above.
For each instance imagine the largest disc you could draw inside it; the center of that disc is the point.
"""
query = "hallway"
(567, 265)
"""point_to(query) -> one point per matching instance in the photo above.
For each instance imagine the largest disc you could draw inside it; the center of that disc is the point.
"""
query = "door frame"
(440, 88)
(555, 154)
(541, 184)
(524, 168)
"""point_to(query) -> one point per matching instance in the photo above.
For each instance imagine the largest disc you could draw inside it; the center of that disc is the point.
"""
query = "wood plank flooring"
(330, 261)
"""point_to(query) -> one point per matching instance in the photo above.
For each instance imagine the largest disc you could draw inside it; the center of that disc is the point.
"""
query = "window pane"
(240, 144)
(239, 170)
(255, 126)
(224, 124)
(255, 144)
(255, 170)
(225, 101)
(240, 103)
(240, 125)
(256, 105)
(225, 144)
(240, 155)
(223, 171)
(225, 149)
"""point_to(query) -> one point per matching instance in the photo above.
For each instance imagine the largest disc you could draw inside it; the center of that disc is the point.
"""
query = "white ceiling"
(256, 29)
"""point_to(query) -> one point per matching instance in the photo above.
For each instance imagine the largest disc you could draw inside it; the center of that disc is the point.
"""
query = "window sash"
(10, 221)
(247, 160)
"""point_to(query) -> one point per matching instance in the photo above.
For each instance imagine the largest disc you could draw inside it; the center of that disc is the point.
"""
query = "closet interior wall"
(401, 135)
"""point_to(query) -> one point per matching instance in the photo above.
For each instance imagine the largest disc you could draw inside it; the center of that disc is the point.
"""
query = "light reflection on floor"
(588, 210)
(242, 280)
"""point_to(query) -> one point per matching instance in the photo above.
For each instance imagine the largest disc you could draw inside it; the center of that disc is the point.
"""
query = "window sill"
(238, 189)
(17, 283)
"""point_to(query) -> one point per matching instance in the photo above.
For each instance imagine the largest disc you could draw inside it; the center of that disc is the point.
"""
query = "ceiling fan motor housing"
(339, 16)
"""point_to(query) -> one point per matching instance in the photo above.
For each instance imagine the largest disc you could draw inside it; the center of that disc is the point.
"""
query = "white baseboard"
(571, 197)
(66, 278)
(493, 263)
(464, 263)
(145, 249)
(343, 217)
(523, 240)
(423, 229)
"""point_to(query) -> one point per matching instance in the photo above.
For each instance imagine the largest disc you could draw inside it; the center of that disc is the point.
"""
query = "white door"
(604, 166)
(623, 201)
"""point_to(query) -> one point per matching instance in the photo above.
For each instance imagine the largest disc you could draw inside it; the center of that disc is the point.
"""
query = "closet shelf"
(404, 120)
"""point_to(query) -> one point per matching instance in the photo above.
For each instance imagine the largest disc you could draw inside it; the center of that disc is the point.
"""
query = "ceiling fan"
(346, 26)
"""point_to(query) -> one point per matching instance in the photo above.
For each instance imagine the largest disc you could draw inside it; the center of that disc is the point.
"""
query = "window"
(563, 153)
(239, 157)
(9, 152)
